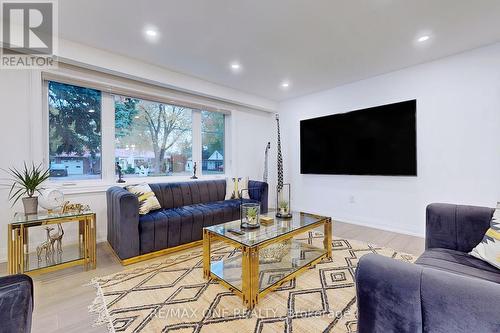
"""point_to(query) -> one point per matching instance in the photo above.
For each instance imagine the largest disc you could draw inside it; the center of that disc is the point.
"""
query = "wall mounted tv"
(380, 140)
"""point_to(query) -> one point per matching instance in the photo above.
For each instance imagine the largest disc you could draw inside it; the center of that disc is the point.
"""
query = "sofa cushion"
(172, 227)
(176, 195)
(459, 263)
(489, 248)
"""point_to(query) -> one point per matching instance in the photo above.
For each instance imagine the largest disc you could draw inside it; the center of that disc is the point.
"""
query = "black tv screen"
(380, 140)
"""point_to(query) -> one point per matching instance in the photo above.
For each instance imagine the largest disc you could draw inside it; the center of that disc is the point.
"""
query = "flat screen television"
(380, 140)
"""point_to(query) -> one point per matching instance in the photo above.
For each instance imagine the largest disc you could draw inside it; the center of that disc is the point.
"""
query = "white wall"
(19, 136)
(75, 53)
(458, 135)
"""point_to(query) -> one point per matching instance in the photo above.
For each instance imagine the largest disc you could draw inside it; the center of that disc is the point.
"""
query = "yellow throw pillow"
(489, 248)
(147, 198)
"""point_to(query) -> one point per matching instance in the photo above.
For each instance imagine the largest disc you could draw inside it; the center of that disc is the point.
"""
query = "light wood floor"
(62, 298)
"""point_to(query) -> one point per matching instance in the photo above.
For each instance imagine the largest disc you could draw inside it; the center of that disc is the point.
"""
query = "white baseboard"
(382, 227)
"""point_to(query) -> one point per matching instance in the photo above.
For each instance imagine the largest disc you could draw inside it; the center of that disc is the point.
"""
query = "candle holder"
(283, 202)
(250, 215)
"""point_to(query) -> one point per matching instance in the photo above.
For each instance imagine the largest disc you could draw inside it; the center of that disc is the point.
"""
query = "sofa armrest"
(395, 296)
(459, 304)
(388, 295)
(259, 191)
(16, 303)
(456, 227)
(123, 222)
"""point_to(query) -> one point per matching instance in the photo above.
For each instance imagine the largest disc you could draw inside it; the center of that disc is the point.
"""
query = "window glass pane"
(74, 132)
(152, 139)
(212, 141)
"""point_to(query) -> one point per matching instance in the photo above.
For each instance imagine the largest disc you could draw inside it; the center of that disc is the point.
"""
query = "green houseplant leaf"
(26, 181)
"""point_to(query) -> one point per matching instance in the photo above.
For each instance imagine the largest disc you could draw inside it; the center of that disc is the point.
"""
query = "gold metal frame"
(18, 246)
(147, 256)
(250, 293)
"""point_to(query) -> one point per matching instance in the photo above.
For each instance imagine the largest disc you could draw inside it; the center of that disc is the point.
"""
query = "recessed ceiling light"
(136, 117)
(424, 38)
(151, 33)
(285, 84)
(235, 67)
(91, 111)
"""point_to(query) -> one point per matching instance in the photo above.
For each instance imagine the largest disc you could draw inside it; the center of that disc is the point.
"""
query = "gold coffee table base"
(250, 290)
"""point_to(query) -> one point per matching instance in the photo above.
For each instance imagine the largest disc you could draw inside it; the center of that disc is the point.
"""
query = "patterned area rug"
(170, 295)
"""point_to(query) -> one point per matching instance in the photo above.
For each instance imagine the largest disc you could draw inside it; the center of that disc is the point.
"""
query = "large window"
(212, 142)
(152, 139)
(92, 131)
(74, 131)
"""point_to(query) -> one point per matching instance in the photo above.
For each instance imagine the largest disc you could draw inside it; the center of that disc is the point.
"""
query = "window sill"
(99, 186)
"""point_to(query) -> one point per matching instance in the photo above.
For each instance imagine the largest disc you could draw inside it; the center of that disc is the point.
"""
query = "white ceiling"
(315, 44)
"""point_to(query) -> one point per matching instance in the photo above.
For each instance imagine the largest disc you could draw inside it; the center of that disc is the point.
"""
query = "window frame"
(108, 176)
(224, 143)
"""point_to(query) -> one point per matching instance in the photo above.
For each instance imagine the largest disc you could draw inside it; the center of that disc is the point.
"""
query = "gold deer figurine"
(57, 238)
(47, 246)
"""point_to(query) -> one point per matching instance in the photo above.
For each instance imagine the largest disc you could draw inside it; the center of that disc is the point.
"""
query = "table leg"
(206, 254)
(93, 244)
(250, 276)
(26, 241)
(21, 242)
(10, 249)
(254, 276)
(81, 243)
(327, 241)
(246, 283)
(86, 239)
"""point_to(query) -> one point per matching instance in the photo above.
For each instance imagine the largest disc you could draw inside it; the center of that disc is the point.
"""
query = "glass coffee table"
(263, 259)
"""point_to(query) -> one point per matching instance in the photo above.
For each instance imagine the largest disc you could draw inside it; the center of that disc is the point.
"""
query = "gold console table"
(22, 259)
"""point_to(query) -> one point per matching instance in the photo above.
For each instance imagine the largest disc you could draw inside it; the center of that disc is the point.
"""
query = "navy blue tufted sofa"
(447, 290)
(186, 208)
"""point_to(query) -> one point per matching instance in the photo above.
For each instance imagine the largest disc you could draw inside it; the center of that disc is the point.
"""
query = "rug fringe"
(99, 308)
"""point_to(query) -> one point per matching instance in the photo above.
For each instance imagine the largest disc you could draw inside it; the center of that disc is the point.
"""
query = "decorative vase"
(283, 202)
(30, 205)
(250, 215)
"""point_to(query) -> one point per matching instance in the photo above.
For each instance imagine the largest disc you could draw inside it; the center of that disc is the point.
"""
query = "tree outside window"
(152, 139)
(74, 131)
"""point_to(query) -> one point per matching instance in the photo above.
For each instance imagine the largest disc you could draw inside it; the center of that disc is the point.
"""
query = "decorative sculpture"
(266, 162)
(280, 156)
(47, 246)
(118, 169)
(74, 207)
(194, 171)
(57, 238)
(282, 190)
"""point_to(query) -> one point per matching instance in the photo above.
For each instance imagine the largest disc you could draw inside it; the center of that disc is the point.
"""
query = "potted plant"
(25, 184)
(252, 215)
(283, 207)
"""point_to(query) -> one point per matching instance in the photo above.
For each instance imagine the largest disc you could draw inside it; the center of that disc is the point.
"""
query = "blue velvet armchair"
(16, 303)
(446, 290)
